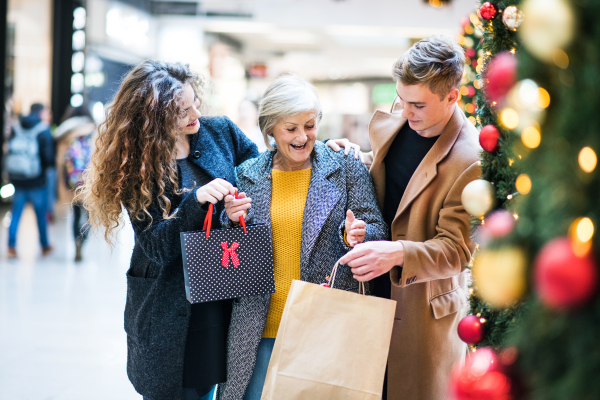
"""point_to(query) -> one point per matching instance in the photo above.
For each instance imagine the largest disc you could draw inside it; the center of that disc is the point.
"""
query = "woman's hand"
(214, 191)
(356, 229)
(237, 208)
(338, 143)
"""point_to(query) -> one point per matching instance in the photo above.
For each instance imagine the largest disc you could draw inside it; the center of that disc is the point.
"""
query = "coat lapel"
(259, 175)
(205, 144)
(322, 197)
(427, 169)
(383, 128)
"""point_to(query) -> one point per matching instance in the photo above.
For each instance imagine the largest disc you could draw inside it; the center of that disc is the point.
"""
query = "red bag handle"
(242, 221)
(208, 220)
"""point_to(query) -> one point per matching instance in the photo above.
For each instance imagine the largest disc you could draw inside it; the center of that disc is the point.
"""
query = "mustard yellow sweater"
(288, 198)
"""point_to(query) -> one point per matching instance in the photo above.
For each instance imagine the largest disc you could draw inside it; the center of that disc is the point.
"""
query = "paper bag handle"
(361, 285)
(208, 220)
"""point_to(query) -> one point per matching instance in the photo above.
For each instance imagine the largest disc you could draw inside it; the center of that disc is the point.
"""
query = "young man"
(424, 153)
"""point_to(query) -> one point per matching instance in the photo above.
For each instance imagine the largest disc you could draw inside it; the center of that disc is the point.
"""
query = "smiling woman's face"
(188, 123)
(295, 137)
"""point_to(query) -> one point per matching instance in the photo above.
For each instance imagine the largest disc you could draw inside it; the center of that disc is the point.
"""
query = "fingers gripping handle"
(361, 285)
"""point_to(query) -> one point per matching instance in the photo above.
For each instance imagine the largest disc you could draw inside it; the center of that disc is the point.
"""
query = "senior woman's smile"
(295, 137)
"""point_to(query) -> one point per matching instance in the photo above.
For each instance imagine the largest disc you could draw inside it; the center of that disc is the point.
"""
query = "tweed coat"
(337, 183)
(434, 228)
(157, 312)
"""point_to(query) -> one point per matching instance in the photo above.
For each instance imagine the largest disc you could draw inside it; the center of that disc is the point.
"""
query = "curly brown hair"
(134, 157)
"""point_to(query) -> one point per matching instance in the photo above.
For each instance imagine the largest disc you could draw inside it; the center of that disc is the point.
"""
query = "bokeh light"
(523, 184)
(509, 118)
(587, 159)
(531, 137)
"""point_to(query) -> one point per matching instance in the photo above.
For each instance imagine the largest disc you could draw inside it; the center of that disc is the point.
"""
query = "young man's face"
(425, 111)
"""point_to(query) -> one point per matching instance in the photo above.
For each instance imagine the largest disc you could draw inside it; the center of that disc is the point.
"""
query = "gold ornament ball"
(478, 197)
(499, 275)
(548, 26)
(512, 17)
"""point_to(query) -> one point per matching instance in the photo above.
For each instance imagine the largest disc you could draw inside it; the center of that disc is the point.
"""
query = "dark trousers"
(80, 217)
(38, 197)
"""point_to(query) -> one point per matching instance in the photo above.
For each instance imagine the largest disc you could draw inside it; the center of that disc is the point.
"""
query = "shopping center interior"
(61, 321)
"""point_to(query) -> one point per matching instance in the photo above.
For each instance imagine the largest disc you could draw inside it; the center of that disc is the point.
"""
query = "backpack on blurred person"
(23, 159)
(77, 157)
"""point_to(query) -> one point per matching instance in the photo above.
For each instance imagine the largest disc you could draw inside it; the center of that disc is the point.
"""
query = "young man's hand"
(337, 144)
(372, 259)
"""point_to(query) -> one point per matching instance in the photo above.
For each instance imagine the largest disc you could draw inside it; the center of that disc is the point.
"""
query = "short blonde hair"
(436, 61)
(288, 95)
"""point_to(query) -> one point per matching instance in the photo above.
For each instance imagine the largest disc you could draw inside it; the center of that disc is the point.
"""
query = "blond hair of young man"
(425, 151)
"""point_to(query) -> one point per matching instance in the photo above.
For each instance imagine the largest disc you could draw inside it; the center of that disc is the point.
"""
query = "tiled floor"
(61, 323)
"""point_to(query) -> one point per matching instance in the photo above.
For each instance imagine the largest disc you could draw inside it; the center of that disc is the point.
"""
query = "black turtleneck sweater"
(404, 156)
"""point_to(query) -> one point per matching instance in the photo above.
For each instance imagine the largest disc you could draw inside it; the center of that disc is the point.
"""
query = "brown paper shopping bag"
(331, 344)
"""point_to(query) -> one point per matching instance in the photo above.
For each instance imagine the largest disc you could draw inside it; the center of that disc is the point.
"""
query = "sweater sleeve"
(362, 201)
(161, 240)
(450, 251)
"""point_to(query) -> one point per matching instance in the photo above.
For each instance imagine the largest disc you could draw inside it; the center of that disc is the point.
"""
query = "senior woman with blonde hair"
(319, 205)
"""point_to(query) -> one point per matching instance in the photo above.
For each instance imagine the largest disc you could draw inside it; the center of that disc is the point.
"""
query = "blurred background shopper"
(30, 153)
(73, 138)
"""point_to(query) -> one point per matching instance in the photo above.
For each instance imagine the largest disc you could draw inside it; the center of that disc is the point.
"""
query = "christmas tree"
(497, 21)
(546, 259)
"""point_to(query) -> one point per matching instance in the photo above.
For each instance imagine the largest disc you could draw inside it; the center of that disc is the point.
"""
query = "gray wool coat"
(337, 183)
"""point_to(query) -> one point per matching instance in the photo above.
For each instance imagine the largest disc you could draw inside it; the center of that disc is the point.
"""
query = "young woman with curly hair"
(161, 161)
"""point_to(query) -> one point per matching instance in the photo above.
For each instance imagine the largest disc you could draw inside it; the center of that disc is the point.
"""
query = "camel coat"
(431, 287)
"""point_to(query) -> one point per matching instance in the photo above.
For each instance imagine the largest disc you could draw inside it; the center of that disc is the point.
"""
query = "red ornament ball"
(501, 76)
(500, 223)
(488, 10)
(482, 377)
(470, 329)
(488, 138)
(564, 280)
(470, 52)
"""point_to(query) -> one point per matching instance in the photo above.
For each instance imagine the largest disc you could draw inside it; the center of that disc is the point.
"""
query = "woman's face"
(295, 136)
(188, 123)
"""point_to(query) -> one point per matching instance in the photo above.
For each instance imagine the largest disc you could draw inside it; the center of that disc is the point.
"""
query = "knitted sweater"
(287, 208)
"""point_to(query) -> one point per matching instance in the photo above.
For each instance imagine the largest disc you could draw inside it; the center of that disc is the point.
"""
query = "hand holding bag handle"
(208, 219)
(361, 285)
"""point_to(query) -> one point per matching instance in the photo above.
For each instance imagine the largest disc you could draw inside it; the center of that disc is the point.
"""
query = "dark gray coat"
(157, 312)
(337, 184)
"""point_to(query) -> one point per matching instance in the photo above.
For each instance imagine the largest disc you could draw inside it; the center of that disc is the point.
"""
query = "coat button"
(196, 154)
(269, 177)
(407, 281)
